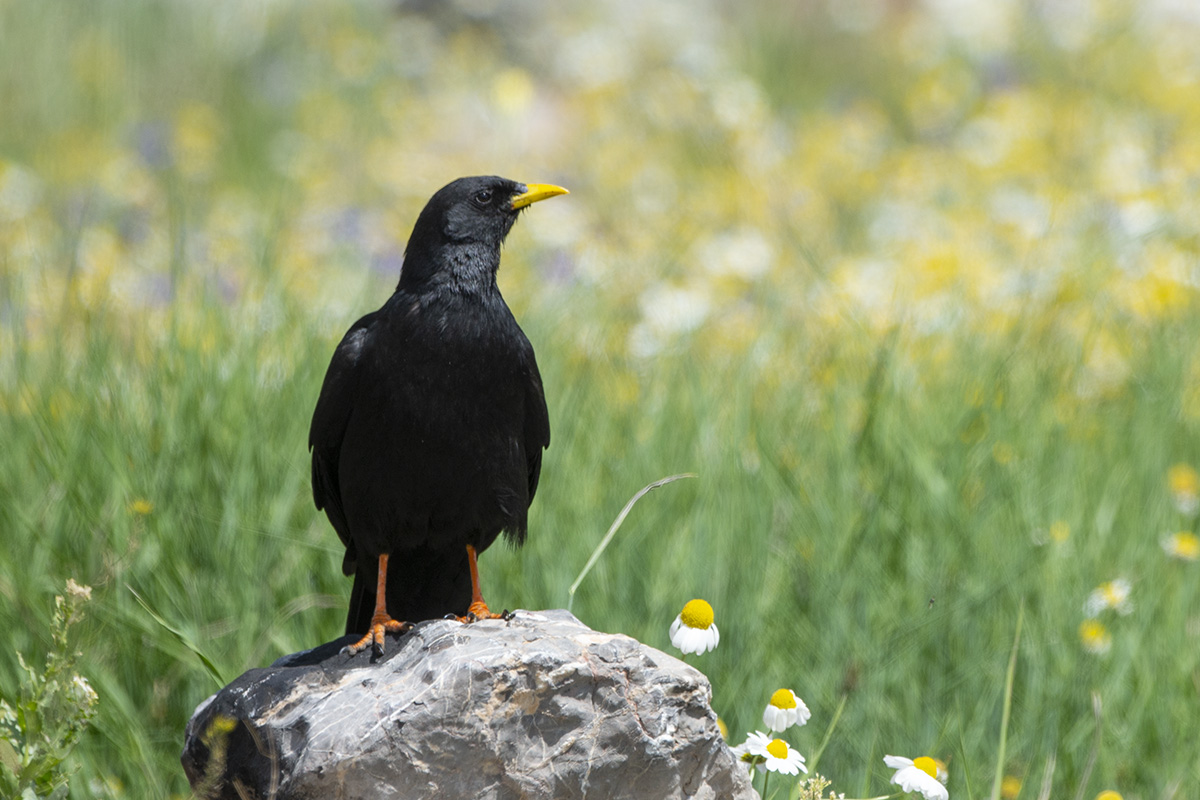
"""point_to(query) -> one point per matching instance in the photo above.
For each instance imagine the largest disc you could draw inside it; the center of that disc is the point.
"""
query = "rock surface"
(539, 706)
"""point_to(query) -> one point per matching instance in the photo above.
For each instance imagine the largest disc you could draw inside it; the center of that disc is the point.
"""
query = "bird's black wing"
(537, 423)
(334, 407)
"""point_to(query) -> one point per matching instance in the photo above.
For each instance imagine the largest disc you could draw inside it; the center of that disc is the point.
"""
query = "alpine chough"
(428, 433)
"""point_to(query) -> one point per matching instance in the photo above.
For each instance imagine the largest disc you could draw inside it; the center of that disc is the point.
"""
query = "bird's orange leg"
(380, 621)
(478, 609)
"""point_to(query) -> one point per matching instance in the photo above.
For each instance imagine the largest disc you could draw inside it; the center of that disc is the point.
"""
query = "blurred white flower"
(20, 192)
(739, 104)
(667, 311)
(1184, 484)
(743, 253)
(1184, 545)
(1094, 637)
(1114, 595)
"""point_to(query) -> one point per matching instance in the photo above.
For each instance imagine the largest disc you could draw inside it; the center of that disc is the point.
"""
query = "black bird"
(428, 434)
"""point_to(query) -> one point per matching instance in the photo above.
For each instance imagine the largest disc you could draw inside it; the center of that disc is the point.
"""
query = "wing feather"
(335, 405)
(537, 424)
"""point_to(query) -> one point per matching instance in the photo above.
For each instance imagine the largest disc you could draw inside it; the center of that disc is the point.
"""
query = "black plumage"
(428, 433)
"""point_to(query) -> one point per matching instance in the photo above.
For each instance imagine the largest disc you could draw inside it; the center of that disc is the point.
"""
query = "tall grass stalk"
(1009, 675)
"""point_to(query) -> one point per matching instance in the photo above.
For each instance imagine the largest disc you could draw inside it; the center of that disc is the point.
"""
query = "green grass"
(845, 563)
(872, 502)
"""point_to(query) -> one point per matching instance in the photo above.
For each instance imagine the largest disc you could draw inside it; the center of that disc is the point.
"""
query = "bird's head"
(458, 234)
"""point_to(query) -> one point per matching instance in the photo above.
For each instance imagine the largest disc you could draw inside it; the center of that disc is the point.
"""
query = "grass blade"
(1008, 690)
(1048, 777)
(612, 531)
(1097, 738)
(837, 715)
(183, 638)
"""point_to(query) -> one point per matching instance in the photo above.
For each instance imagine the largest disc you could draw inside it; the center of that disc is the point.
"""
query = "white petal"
(782, 765)
(802, 712)
(694, 640)
(915, 779)
(774, 718)
(897, 762)
(756, 743)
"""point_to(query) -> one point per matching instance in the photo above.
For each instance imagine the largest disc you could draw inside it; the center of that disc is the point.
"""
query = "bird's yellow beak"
(534, 192)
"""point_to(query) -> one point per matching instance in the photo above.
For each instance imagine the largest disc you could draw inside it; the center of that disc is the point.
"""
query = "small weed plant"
(41, 723)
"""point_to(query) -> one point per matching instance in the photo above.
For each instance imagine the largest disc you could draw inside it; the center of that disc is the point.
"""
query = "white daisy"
(694, 631)
(1184, 483)
(1114, 595)
(782, 758)
(1095, 637)
(1184, 545)
(920, 775)
(754, 750)
(784, 711)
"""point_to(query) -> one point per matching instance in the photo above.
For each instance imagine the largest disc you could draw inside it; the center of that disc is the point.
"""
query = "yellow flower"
(1184, 483)
(196, 139)
(513, 91)
(1060, 531)
(141, 506)
(1095, 637)
(1109, 794)
(1010, 787)
(1183, 545)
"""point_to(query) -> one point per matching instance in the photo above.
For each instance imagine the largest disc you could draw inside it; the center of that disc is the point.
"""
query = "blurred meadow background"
(911, 286)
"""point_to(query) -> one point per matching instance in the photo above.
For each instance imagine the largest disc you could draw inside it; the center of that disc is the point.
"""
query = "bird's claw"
(380, 627)
(478, 611)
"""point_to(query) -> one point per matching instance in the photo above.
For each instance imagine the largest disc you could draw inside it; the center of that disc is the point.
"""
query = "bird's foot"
(479, 610)
(381, 624)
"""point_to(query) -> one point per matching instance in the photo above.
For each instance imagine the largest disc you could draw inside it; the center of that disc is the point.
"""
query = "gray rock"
(539, 706)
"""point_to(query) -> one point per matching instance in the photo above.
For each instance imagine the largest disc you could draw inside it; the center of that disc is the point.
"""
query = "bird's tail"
(421, 585)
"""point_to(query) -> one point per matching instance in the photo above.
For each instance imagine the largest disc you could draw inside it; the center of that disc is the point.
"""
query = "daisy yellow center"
(1113, 593)
(1187, 545)
(926, 765)
(783, 699)
(1093, 634)
(1183, 480)
(697, 614)
(778, 748)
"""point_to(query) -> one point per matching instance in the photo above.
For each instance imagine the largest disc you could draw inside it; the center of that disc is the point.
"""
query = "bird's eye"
(483, 197)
